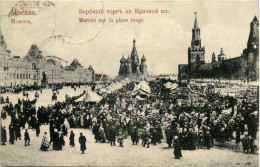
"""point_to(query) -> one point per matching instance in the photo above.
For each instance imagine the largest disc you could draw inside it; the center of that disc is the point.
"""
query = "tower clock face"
(197, 42)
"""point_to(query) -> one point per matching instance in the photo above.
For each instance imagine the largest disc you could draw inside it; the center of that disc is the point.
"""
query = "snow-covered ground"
(102, 154)
(46, 95)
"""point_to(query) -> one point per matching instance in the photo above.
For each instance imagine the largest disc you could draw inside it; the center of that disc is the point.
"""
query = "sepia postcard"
(129, 83)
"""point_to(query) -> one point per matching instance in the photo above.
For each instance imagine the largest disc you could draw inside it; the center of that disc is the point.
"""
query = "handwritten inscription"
(16, 13)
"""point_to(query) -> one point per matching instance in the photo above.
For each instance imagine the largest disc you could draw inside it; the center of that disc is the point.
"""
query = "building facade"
(132, 67)
(76, 73)
(30, 70)
(244, 67)
(102, 78)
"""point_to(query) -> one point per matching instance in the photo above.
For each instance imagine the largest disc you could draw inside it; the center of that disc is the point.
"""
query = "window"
(17, 76)
(34, 66)
(21, 76)
(29, 76)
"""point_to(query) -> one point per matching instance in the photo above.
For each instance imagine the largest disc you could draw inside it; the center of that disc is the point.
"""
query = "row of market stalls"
(97, 95)
(234, 89)
(89, 97)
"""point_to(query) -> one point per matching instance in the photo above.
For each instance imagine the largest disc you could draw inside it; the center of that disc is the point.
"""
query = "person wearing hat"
(134, 135)
(101, 133)
(56, 140)
(61, 141)
(120, 137)
(207, 139)
(159, 132)
(52, 127)
(169, 135)
(17, 132)
(72, 135)
(106, 130)
(146, 138)
(200, 139)
(95, 132)
(26, 138)
(3, 135)
(154, 137)
(82, 141)
(11, 133)
(112, 134)
(177, 148)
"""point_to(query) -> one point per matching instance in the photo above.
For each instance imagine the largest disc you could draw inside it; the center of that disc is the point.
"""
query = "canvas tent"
(90, 97)
(171, 86)
(141, 91)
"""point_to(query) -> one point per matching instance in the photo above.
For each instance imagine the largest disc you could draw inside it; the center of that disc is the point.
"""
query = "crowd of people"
(185, 123)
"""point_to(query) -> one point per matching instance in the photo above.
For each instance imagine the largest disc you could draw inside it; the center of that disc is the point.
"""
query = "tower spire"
(196, 52)
(253, 39)
(196, 22)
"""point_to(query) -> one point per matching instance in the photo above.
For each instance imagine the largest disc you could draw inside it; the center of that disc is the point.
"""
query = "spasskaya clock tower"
(196, 52)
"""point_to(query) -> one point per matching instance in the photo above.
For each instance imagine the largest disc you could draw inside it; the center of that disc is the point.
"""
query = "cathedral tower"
(213, 57)
(122, 67)
(134, 58)
(143, 66)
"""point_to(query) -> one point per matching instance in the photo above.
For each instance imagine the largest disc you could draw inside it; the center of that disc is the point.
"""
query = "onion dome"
(143, 58)
(123, 60)
(129, 60)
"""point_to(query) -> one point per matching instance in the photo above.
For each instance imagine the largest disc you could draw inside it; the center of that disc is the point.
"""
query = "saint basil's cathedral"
(131, 67)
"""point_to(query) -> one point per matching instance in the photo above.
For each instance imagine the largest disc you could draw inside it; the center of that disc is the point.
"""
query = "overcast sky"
(163, 38)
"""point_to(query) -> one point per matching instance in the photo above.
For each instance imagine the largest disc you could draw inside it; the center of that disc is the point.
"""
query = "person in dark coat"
(37, 128)
(134, 135)
(61, 142)
(7, 99)
(207, 139)
(238, 135)
(3, 135)
(56, 140)
(72, 135)
(82, 141)
(154, 138)
(169, 136)
(51, 132)
(200, 139)
(192, 140)
(11, 133)
(3, 114)
(113, 135)
(107, 129)
(177, 148)
(252, 125)
(26, 138)
(95, 131)
(146, 138)
(159, 133)
(64, 130)
(120, 137)
(17, 132)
